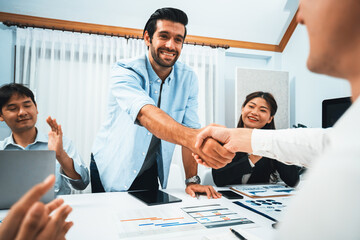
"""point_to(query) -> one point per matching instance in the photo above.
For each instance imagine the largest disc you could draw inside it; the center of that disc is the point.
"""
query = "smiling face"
(19, 113)
(256, 113)
(166, 44)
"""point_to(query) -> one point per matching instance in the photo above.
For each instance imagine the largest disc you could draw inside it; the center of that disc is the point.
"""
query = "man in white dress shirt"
(326, 207)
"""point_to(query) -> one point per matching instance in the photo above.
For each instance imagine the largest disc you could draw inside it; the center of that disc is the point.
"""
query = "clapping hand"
(31, 220)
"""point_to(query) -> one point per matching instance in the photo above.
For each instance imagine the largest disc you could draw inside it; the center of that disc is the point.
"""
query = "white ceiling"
(261, 21)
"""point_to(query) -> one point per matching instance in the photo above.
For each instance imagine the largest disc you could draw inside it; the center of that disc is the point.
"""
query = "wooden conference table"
(97, 216)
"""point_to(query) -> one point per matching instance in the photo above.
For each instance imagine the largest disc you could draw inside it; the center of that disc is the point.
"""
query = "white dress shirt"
(298, 146)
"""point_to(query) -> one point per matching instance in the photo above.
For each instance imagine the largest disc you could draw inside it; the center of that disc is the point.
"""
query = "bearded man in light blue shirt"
(152, 106)
(19, 111)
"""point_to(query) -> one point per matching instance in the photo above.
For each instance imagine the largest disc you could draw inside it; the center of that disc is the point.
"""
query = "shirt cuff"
(135, 109)
(193, 126)
(78, 184)
(62, 173)
(251, 163)
(261, 141)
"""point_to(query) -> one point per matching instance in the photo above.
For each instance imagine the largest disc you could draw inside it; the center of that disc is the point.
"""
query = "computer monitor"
(333, 109)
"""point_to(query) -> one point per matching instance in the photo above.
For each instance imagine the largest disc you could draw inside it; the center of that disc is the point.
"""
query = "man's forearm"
(67, 165)
(164, 127)
(190, 165)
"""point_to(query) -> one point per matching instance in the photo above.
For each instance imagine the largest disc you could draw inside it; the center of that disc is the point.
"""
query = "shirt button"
(156, 91)
(148, 133)
(158, 80)
(134, 171)
(143, 154)
(125, 187)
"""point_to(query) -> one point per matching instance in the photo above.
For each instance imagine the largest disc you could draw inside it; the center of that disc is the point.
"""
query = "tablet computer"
(230, 194)
(154, 197)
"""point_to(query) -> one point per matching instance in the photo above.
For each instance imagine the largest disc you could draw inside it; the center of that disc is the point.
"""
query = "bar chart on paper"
(153, 221)
(215, 215)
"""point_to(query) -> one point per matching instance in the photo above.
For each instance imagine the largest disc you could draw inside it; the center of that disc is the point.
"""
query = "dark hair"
(269, 98)
(8, 90)
(171, 14)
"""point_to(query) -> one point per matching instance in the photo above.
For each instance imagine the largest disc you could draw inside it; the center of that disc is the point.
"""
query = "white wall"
(308, 89)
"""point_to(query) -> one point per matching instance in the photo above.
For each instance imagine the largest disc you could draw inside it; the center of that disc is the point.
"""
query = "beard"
(155, 53)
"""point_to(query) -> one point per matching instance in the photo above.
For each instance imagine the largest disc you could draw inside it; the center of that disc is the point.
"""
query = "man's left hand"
(210, 192)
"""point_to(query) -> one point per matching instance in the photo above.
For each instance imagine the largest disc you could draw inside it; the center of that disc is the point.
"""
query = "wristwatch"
(195, 179)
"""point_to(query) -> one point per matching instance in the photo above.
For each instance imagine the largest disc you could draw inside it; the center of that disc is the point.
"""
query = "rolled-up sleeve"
(128, 90)
(290, 146)
(79, 166)
(191, 118)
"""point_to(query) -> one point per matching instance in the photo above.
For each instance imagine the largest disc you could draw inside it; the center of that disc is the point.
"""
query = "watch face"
(194, 179)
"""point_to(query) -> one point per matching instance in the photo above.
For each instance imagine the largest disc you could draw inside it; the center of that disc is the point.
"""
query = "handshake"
(215, 146)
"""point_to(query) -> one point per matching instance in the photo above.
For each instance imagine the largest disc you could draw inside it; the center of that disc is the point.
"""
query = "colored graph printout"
(215, 215)
(261, 191)
(156, 220)
(271, 208)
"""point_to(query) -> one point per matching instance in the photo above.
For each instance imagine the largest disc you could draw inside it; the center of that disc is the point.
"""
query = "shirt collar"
(9, 141)
(40, 137)
(152, 74)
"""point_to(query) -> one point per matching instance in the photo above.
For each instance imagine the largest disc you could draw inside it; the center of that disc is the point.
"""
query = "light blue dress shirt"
(122, 144)
(63, 184)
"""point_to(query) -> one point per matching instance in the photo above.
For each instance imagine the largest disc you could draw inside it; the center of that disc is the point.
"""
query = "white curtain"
(69, 74)
(207, 63)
